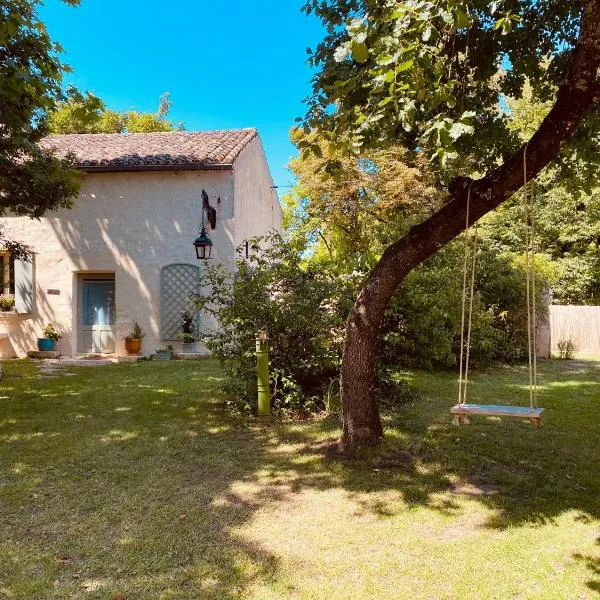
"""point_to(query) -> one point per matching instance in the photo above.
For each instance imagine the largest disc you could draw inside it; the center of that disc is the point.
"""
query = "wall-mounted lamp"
(203, 243)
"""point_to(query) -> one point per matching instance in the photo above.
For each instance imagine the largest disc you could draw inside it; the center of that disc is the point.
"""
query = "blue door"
(97, 315)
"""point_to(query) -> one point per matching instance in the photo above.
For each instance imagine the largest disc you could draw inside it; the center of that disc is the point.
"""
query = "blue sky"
(226, 64)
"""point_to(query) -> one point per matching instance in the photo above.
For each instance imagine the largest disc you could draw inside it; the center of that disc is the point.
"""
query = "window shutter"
(24, 286)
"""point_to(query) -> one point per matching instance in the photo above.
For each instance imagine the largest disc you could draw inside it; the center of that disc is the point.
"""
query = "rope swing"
(462, 409)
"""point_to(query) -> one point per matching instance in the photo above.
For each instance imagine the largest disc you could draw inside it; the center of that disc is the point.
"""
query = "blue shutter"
(24, 286)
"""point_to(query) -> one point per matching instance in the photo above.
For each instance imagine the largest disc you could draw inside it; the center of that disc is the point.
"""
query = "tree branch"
(576, 98)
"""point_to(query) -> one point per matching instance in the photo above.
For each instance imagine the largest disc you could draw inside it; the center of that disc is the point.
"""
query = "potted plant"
(188, 332)
(133, 342)
(163, 353)
(51, 336)
(7, 302)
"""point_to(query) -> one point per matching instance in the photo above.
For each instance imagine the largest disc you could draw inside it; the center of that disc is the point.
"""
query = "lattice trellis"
(177, 283)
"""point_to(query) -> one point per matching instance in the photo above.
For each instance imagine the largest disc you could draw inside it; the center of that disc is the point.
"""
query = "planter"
(45, 344)
(161, 357)
(188, 347)
(133, 345)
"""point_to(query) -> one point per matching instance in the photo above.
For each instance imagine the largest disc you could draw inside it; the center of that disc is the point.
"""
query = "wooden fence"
(580, 324)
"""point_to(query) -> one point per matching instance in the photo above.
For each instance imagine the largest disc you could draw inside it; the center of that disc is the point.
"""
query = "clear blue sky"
(226, 64)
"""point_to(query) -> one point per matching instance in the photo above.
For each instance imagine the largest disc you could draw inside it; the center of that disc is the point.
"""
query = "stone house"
(124, 251)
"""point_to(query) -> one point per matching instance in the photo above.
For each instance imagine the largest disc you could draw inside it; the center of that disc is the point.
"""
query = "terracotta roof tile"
(139, 151)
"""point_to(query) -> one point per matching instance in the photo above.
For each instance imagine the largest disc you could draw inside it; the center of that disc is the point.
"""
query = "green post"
(262, 371)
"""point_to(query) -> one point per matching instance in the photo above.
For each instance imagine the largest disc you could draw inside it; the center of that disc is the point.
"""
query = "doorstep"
(41, 355)
(192, 355)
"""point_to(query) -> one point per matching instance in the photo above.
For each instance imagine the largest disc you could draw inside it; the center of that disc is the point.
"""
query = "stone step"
(192, 355)
(40, 355)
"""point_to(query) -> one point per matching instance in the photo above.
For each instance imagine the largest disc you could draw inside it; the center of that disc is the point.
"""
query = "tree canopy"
(432, 75)
(86, 113)
(32, 180)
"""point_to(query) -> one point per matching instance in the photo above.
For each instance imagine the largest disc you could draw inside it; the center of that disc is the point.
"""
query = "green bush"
(303, 304)
(422, 326)
(303, 309)
(566, 349)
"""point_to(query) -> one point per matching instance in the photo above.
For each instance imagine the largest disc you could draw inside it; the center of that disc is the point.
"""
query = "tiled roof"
(141, 151)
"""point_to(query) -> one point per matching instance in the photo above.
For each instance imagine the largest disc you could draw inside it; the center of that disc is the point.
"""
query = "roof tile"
(133, 151)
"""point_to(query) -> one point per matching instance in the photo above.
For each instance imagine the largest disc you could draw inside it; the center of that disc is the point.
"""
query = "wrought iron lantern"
(203, 243)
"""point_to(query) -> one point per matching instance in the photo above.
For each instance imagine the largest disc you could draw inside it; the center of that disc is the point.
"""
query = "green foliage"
(137, 333)
(347, 217)
(86, 113)
(566, 349)
(567, 236)
(188, 333)
(168, 350)
(422, 326)
(303, 302)
(7, 302)
(426, 74)
(31, 179)
(51, 332)
(303, 309)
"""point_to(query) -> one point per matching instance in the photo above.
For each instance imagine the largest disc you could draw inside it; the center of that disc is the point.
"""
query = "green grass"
(132, 480)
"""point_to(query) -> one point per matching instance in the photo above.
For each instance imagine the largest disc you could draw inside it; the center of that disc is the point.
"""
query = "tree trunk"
(575, 99)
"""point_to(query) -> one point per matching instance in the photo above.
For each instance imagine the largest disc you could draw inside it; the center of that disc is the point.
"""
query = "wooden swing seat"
(462, 411)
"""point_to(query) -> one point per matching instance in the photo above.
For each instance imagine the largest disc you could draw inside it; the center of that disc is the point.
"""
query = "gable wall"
(256, 205)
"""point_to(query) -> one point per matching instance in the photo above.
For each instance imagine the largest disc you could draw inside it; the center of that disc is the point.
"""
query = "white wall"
(256, 205)
(131, 224)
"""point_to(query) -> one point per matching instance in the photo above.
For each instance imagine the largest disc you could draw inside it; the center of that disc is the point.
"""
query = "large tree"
(433, 77)
(32, 180)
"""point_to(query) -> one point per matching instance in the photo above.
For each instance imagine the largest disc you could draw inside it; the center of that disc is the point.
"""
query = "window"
(16, 278)
(7, 272)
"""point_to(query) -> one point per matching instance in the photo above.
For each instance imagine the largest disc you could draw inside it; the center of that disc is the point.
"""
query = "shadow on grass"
(593, 564)
(118, 480)
(133, 479)
(525, 475)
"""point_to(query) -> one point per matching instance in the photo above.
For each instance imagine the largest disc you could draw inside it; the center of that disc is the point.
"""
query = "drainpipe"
(262, 372)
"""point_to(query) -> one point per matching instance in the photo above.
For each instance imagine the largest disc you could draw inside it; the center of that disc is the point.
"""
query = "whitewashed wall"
(257, 209)
(131, 224)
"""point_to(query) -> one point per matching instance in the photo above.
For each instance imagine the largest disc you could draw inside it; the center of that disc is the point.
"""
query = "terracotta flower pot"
(133, 345)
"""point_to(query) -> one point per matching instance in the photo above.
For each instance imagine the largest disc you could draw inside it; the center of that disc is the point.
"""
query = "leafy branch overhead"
(433, 75)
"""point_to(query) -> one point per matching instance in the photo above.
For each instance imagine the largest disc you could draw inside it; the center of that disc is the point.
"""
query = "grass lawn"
(131, 481)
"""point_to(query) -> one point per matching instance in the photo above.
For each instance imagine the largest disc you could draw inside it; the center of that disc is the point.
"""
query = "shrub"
(303, 309)
(137, 333)
(304, 305)
(165, 350)
(188, 333)
(52, 333)
(7, 302)
(566, 349)
(422, 326)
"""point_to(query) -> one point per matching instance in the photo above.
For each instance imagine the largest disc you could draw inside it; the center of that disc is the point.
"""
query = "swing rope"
(530, 279)
(463, 380)
(470, 245)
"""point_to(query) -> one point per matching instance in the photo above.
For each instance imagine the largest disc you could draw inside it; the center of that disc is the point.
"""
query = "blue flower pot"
(45, 344)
